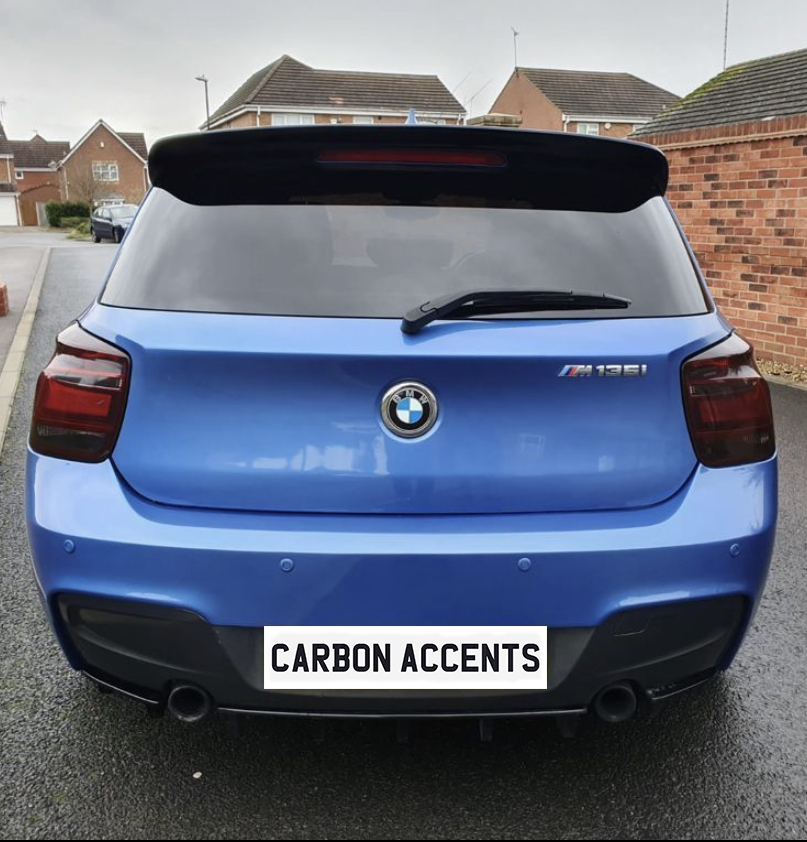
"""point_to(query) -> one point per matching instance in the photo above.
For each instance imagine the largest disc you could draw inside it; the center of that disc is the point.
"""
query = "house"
(36, 178)
(9, 201)
(737, 148)
(289, 93)
(105, 167)
(611, 104)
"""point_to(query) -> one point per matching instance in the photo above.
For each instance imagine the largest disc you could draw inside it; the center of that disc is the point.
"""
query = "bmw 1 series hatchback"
(402, 421)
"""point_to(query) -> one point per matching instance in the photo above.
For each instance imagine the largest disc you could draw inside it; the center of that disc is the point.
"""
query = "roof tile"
(756, 90)
(5, 145)
(37, 152)
(586, 93)
(137, 140)
(291, 84)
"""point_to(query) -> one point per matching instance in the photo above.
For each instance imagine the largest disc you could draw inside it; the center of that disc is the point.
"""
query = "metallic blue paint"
(400, 569)
(265, 413)
(437, 547)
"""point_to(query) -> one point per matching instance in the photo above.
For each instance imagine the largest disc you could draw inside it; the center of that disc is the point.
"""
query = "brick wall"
(741, 195)
(250, 119)
(34, 187)
(520, 97)
(619, 130)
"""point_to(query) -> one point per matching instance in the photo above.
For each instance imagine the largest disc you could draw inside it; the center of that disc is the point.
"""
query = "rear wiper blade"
(498, 301)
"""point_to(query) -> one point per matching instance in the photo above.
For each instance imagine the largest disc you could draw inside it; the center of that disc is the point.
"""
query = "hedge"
(57, 211)
(73, 221)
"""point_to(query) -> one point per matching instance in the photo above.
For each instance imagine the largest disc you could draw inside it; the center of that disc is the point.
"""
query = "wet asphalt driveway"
(730, 761)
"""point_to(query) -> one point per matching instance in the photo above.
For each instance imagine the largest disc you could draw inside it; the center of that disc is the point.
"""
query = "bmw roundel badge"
(409, 410)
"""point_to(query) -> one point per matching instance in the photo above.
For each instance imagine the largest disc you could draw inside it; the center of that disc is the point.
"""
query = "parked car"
(402, 422)
(111, 223)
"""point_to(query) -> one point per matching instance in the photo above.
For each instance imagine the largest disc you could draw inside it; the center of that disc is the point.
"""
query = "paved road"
(35, 238)
(729, 763)
(21, 250)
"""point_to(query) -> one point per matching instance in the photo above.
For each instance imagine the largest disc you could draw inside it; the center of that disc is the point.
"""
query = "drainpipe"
(565, 122)
(258, 117)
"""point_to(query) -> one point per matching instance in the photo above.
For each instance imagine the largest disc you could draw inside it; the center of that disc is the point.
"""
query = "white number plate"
(405, 658)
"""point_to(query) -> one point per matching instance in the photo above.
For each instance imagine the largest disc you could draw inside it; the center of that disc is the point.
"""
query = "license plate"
(405, 658)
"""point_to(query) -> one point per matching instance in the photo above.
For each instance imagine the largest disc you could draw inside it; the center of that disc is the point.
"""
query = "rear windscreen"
(379, 260)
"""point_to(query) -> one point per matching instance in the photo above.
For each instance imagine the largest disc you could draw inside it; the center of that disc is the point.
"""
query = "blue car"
(402, 421)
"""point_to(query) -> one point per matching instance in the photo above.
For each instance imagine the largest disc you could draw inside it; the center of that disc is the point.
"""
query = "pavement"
(21, 253)
(727, 762)
(24, 254)
(18, 267)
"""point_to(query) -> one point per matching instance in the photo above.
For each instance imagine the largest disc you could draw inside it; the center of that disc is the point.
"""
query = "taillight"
(728, 405)
(80, 398)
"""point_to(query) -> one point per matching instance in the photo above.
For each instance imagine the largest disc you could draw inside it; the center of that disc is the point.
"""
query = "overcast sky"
(65, 64)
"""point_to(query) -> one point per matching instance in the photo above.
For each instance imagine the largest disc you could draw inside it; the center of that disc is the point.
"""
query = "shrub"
(58, 211)
(80, 231)
(76, 209)
(73, 221)
(53, 211)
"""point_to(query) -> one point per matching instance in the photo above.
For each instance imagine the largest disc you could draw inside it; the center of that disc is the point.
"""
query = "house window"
(19, 175)
(105, 171)
(588, 128)
(292, 119)
(363, 120)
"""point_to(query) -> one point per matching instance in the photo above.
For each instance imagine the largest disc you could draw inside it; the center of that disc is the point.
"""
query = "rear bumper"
(144, 650)
(659, 596)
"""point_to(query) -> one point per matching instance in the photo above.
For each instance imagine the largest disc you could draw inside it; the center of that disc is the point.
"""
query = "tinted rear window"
(380, 260)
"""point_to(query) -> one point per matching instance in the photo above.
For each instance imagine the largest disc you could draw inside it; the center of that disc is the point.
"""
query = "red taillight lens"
(728, 406)
(416, 157)
(80, 398)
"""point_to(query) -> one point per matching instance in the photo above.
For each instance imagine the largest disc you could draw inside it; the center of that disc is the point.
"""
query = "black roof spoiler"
(327, 164)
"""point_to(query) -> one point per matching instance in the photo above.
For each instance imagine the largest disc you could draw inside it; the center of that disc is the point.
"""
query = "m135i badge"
(409, 410)
(613, 370)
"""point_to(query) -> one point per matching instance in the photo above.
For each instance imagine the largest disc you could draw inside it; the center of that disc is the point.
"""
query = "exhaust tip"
(616, 703)
(189, 704)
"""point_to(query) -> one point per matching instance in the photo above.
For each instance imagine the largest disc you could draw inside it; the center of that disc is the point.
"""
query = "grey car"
(110, 223)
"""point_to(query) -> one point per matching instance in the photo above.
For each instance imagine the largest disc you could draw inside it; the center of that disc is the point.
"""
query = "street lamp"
(204, 79)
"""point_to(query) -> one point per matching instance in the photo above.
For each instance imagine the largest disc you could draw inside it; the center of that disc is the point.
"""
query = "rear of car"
(245, 477)
(111, 223)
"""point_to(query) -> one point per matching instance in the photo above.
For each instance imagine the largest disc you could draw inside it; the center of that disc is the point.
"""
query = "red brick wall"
(36, 187)
(347, 119)
(741, 195)
(250, 119)
(620, 130)
(242, 121)
(520, 97)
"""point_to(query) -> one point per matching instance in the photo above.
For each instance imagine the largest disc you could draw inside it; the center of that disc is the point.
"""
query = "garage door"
(8, 210)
